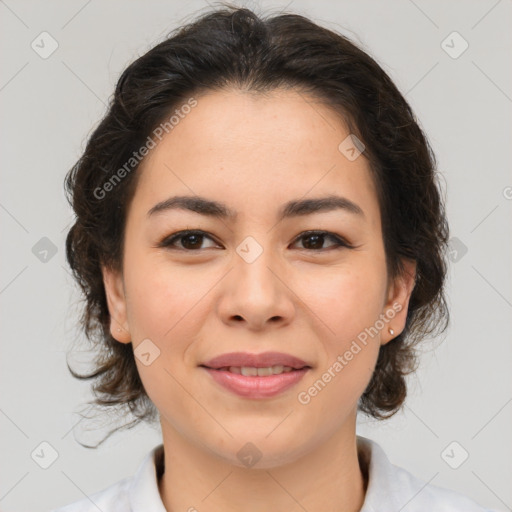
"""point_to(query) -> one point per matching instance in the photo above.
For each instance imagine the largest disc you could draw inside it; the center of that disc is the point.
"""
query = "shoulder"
(419, 495)
(394, 488)
(137, 493)
(111, 499)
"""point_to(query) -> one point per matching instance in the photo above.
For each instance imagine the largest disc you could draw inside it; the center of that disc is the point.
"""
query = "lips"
(263, 360)
(256, 387)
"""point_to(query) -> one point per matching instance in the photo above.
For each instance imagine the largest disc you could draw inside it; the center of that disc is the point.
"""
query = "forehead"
(254, 150)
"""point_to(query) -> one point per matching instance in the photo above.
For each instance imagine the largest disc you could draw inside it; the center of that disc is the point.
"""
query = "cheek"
(348, 305)
(346, 300)
(161, 296)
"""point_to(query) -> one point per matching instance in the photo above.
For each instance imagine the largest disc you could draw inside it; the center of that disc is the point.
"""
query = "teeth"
(260, 372)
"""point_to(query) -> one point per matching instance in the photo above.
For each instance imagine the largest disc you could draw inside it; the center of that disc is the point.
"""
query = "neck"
(329, 478)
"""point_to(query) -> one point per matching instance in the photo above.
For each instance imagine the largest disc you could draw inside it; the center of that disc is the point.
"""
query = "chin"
(259, 452)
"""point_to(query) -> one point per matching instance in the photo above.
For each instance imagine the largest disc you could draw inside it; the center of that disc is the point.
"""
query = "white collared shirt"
(390, 489)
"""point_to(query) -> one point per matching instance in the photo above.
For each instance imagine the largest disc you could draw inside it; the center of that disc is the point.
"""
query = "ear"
(397, 304)
(116, 300)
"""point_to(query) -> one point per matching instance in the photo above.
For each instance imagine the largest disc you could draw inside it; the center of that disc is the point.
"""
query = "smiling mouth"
(250, 382)
(251, 371)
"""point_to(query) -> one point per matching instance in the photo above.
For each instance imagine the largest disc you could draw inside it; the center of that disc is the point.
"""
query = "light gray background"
(462, 391)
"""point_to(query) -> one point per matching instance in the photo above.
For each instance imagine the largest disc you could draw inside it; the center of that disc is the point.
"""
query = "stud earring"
(391, 331)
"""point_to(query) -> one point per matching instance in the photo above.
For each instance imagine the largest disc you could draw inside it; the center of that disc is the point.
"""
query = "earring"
(391, 331)
(118, 330)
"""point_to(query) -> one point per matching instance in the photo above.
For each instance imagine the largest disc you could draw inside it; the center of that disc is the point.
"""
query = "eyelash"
(339, 242)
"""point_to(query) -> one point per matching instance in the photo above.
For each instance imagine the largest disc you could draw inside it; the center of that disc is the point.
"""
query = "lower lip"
(257, 387)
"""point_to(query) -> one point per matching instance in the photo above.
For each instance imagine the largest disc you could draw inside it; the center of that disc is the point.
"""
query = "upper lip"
(263, 360)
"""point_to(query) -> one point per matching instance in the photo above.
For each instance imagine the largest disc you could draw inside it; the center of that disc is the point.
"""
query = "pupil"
(315, 244)
(196, 239)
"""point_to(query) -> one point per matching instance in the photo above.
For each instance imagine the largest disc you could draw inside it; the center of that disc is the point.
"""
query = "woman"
(260, 239)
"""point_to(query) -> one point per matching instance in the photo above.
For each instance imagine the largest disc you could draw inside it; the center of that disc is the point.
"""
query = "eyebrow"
(294, 208)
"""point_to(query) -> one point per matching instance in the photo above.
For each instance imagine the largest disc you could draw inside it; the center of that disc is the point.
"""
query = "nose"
(256, 294)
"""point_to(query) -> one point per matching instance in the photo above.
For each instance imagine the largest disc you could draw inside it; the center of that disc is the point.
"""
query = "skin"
(254, 153)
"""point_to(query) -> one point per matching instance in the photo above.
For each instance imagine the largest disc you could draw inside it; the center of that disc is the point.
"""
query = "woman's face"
(255, 282)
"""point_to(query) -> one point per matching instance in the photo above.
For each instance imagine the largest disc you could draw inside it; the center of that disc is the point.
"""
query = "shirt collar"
(383, 489)
(143, 493)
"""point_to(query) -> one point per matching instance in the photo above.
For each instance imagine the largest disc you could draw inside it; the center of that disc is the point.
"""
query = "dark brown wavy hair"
(234, 47)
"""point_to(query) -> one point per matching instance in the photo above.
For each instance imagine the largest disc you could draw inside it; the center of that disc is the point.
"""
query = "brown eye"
(314, 240)
(191, 241)
(187, 240)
